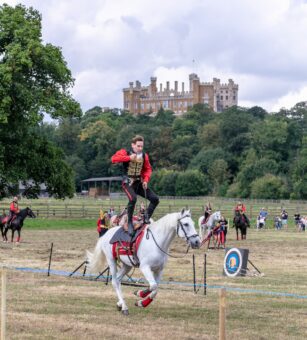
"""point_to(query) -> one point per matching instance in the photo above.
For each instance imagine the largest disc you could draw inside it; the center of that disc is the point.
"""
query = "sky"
(261, 45)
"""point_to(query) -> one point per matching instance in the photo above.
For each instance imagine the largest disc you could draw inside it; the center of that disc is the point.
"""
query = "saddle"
(130, 247)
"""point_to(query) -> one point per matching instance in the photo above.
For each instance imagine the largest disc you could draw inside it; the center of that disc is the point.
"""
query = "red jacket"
(100, 224)
(121, 156)
(14, 208)
(240, 207)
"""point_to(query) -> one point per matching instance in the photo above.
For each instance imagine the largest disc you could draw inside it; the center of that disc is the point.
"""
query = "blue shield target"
(235, 262)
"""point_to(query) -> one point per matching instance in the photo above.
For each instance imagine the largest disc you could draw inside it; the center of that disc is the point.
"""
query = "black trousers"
(135, 189)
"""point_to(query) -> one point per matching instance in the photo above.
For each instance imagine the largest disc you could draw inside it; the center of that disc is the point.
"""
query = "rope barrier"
(187, 284)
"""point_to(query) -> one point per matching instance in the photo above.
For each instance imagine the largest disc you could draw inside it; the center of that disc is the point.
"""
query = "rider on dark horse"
(241, 209)
(14, 210)
(137, 172)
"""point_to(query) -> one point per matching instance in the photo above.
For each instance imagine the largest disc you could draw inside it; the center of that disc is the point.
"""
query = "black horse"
(240, 222)
(16, 224)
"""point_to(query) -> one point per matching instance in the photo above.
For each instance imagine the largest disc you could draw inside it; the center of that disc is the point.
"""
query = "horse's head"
(186, 229)
(30, 213)
(217, 215)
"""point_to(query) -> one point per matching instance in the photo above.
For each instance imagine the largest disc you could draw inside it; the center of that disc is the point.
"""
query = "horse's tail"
(96, 260)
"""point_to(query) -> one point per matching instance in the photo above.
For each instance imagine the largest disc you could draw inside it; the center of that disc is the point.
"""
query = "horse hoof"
(125, 312)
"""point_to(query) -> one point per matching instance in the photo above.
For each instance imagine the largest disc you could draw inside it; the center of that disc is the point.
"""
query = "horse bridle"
(180, 225)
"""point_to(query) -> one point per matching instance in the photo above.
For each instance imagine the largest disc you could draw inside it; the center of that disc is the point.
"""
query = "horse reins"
(179, 224)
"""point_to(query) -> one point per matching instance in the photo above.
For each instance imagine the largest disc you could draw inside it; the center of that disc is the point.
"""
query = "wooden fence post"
(222, 315)
(3, 304)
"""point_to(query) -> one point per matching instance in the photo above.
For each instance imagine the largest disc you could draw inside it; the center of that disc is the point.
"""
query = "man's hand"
(145, 185)
(133, 157)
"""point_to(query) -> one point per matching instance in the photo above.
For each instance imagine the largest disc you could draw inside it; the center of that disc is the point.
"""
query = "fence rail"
(87, 208)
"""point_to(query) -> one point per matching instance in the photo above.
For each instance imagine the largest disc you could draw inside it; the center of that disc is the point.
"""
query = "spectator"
(103, 223)
(263, 213)
(277, 222)
(223, 225)
(284, 219)
(297, 220)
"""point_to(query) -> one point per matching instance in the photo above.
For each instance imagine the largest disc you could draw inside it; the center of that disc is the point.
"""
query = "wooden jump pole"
(205, 274)
(222, 315)
(194, 274)
(50, 256)
(3, 303)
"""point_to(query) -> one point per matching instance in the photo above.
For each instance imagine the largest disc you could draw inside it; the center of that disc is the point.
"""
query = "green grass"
(59, 224)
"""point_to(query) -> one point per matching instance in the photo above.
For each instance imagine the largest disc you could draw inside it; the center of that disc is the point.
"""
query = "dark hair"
(137, 138)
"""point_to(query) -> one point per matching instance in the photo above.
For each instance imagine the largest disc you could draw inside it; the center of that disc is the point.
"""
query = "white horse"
(152, 254)
(208, 226)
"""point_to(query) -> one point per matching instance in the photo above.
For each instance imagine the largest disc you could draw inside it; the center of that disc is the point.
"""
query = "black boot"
(130, 229)
(146, 218)
(130, 209)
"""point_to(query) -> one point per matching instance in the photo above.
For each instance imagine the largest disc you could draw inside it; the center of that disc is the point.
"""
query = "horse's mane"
(162, 221)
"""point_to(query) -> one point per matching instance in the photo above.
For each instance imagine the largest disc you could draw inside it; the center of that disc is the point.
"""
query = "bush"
(192, 183)
(269, 187)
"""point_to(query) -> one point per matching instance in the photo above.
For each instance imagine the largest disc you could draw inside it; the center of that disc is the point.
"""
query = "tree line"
(241, 152)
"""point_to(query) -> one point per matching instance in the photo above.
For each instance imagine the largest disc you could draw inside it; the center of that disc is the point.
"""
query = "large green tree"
(34, 80)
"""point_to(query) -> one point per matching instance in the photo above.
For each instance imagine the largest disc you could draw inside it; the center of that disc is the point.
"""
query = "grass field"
(56, 307)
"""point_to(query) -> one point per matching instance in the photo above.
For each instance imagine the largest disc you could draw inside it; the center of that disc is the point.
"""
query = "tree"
(34, 79)
(299, 173)
(219, 176)
(269, 187)
(192, 183)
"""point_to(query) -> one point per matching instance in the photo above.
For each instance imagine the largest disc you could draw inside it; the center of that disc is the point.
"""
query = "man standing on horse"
(137, 172)
(14, 210)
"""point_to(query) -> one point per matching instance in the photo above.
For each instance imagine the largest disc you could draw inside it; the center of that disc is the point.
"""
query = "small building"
(101, 186)
(24, 186)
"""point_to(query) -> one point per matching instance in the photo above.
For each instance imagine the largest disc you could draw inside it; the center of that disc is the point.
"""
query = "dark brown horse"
(16, 224)
(240, 222)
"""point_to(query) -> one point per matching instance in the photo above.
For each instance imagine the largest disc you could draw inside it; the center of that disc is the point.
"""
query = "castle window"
(234, 97)
(221, 97)
(226, 97)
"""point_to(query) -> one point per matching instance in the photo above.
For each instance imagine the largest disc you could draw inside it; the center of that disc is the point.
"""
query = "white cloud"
(107, 43)
(290, 99)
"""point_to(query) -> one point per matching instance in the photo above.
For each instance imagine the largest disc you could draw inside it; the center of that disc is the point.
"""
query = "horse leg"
(153, 286)
(18, 237)
(4, 234)
(13, 232)
(121, 304)
(244, 231)
(145, 292)
(237, 231)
